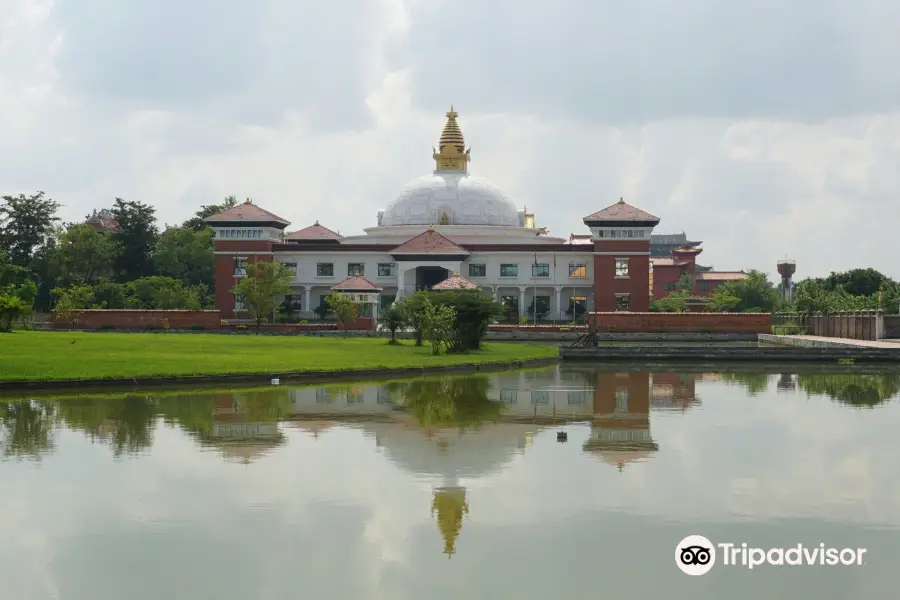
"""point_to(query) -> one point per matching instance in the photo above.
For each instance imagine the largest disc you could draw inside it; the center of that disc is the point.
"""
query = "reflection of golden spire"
(451, 505)
(451, 154)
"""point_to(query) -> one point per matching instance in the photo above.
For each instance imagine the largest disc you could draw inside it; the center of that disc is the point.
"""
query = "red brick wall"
(361, 324)
(637, 284)
(653, 322)
(143, 319)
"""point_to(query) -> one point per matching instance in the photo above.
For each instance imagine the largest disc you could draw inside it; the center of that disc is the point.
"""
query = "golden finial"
(317, 222)
(621, 200)
(451, 153)
(431, 228)
(248, 201)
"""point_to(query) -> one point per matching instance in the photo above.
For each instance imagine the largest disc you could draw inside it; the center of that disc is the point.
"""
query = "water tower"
(786, 269)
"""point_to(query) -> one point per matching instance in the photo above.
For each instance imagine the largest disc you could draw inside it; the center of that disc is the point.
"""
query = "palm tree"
(392, 320)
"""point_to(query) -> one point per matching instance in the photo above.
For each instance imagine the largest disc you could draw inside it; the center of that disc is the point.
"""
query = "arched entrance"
(428, 277)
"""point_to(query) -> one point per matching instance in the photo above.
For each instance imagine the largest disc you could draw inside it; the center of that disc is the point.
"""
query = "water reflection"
(395, 476)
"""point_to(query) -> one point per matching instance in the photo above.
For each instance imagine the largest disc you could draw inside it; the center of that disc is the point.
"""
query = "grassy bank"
(47, 356)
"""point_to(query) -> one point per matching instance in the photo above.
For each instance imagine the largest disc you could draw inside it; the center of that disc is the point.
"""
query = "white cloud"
(763, 131)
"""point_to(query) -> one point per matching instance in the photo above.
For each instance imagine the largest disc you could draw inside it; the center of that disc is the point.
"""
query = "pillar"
(307, 299)
(559, 310)
(400, 275)
(522, 307)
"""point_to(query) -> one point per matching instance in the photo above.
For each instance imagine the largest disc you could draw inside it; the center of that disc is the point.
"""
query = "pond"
(566, 482)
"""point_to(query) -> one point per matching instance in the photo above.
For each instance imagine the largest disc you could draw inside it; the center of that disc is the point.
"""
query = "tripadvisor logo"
(696, 555)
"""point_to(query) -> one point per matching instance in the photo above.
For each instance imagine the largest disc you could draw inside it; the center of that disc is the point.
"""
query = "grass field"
(44, 356)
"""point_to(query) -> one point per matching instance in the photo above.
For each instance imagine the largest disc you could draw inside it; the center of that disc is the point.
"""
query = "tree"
(473, 311)
(26, 222)
(265, 281)
(755, 293)
(136, 239)
(675, 302)
(393, 319)
(161, 293)
(413, 308)
(196, 223)
(17, 294)
(685, 284)
(110, 295)
(187, 255)
(11, 308)
(722, 301)
(437, 324)
(86, 254)
(344, 308)
(71, 302)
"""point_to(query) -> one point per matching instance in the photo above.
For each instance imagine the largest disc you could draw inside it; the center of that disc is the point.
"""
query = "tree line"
(44, 261)
(853, 290)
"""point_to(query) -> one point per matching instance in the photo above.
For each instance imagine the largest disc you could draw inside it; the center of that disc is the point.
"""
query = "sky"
(767, 130)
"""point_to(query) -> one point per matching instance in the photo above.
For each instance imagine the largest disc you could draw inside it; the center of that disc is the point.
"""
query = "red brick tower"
(621, 235)
(244, 234)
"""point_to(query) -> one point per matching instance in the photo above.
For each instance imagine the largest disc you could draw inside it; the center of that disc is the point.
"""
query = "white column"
(559, 310)
(522, 307)
(307, 299)
(400, 274)
(496, 292)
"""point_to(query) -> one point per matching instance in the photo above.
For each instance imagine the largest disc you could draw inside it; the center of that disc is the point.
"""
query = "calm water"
(452, 488)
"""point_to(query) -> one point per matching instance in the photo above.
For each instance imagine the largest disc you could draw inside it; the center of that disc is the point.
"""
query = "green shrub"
(241, 328)
(198, 327)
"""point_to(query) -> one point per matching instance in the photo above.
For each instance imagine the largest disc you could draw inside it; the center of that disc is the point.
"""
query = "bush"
(474, 311)
(304, 322)
(198, 327)
(241, 328)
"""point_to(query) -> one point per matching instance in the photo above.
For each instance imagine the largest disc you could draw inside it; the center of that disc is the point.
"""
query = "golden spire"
(451, 154)
(621, 201)
(451, 505)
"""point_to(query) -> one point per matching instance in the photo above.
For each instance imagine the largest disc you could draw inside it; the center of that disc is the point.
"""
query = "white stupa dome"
(450, 196)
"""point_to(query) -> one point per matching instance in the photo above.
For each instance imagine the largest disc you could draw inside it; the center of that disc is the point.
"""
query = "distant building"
(683, 261)
(103, 220)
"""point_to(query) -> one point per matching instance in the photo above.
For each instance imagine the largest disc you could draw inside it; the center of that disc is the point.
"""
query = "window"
(477, 271)
(324, 269)
(385, 269)
(704, 286)
(543, 307)
(292, 267)
(540, 397)
(240, 267)
(670, 287)
(622, 302)
(576, 397)
(240, 302)
(621, 267)
(621, 400)
(509, 396)
(356, 270)
(577, 270)
(540, 270)
(509, 270)
(324, 396)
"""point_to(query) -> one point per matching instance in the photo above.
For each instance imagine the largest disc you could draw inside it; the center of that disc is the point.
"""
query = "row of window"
(623, 233)
(240, 234)
(542, 397)
(576, 270)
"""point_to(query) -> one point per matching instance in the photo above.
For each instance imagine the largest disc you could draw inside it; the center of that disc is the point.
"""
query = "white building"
(444, 223)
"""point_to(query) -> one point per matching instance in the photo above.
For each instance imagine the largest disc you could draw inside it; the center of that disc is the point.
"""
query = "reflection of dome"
(464, 199)
(450, 505)
(449, 453)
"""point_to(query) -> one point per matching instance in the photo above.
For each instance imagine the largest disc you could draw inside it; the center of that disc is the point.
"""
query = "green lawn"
(42, 356)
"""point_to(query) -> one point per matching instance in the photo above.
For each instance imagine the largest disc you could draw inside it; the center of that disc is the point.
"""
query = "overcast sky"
(765, 129)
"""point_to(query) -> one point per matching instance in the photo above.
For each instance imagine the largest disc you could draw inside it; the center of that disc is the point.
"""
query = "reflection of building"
(786, 382)
(620, 432)
(237, 439)
(675, 390)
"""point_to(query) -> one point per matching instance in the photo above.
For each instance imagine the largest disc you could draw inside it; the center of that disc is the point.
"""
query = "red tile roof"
(621, 211)
(356, 284)
(314, 232)
(103, 221)
(248, 212)
(429, 242)
(455, 283)
(722, 275)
